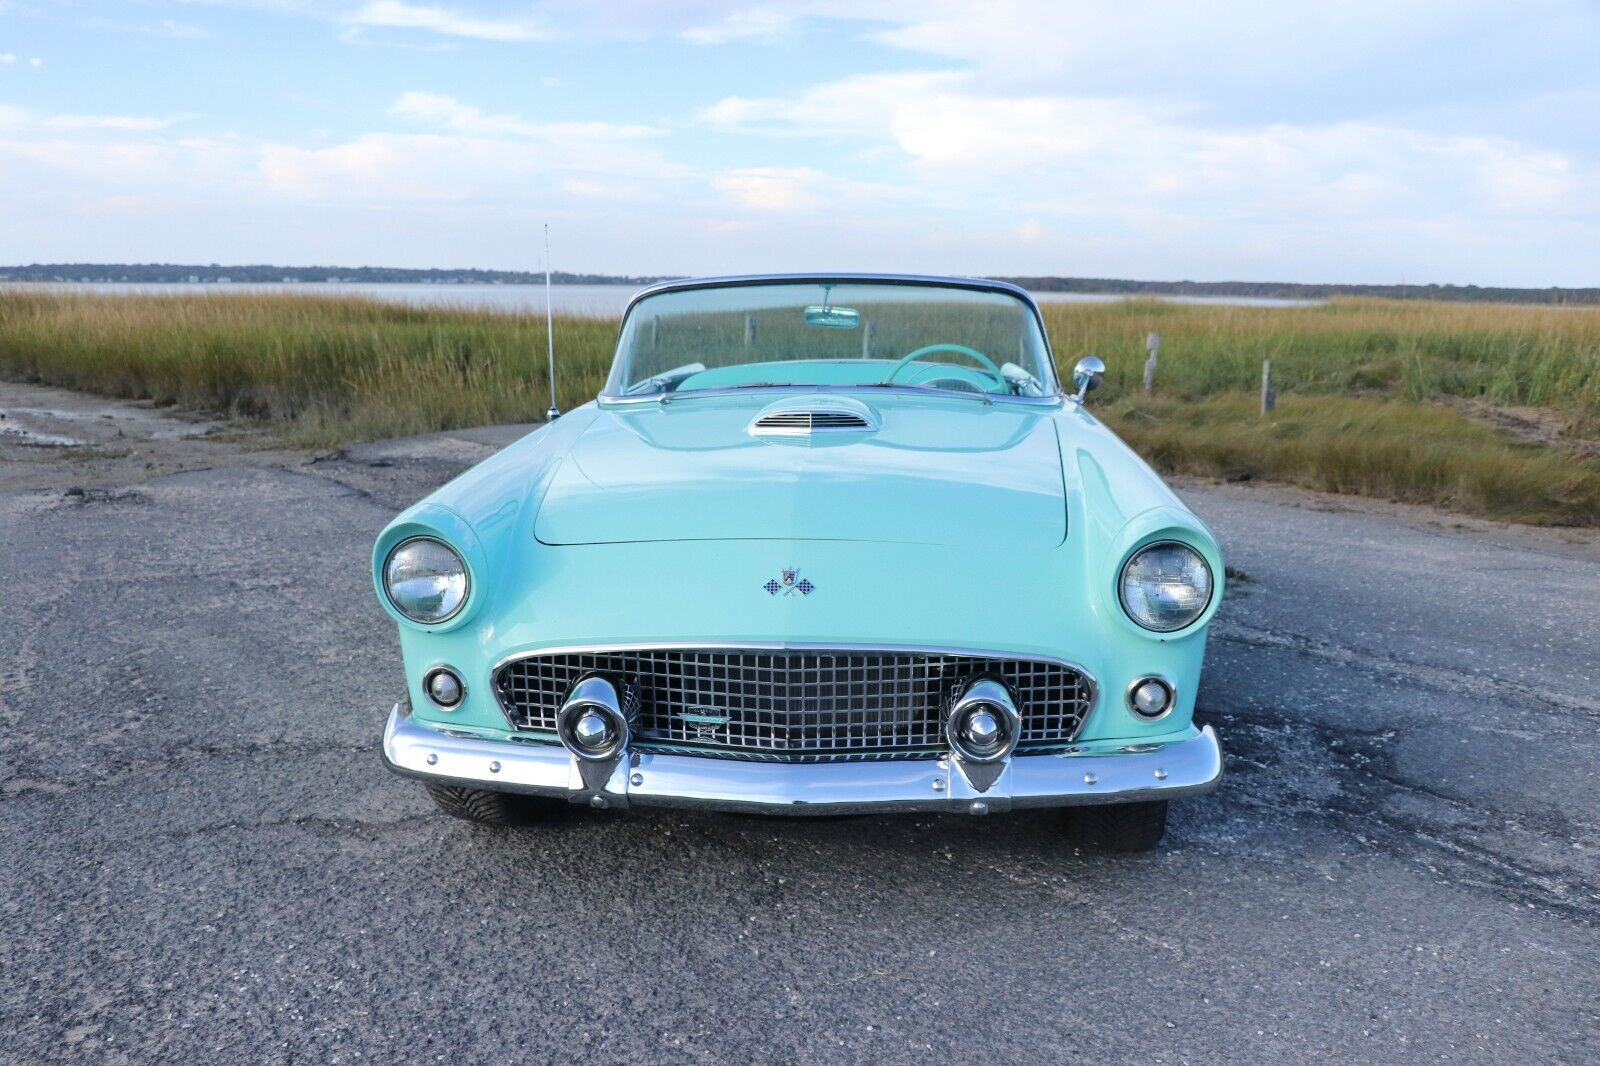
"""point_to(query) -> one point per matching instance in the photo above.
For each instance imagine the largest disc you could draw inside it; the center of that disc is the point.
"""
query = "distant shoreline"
(179, 273)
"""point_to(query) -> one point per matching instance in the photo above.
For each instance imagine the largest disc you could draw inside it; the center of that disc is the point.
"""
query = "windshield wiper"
(988, 401)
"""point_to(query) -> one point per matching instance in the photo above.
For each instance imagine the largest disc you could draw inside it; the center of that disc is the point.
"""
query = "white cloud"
(773, 188)
(1129, 155)
(449, 113)
(1082, 44)
(7, 59)
(395, 14)
(181, 30)
(1152, 187)
(36, 63)
(743, 25)
(779, 190)
(129, 123)
(470, 156)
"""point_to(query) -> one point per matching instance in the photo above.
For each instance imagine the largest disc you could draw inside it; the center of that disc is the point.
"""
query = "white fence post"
(1153, 342)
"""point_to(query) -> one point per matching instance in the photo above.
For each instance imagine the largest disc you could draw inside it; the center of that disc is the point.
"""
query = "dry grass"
(1526, 356)
(325, 370)
(1366, 447)
(1355, 380)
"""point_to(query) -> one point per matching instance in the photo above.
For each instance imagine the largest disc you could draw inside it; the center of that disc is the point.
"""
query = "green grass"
(1358, 381)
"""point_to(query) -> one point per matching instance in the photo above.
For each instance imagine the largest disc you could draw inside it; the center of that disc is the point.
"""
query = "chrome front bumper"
(1099, 772)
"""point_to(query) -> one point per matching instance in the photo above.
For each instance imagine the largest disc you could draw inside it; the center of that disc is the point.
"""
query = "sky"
(1379, 141)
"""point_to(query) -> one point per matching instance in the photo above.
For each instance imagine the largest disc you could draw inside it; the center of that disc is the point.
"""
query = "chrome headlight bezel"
(461, 562)
(1195, 616)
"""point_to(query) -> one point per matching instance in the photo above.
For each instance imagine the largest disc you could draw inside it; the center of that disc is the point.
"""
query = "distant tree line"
(179, 273)
(1285, 290)
(261, 273)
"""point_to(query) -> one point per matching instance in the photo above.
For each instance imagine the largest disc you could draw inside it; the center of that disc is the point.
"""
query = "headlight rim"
(1161, 542)
(388, 594)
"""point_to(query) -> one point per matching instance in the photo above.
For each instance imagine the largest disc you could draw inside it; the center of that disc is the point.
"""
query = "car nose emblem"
(703, 726)
(788, 582)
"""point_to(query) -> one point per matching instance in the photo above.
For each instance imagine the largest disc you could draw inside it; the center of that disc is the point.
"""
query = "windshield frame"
(1053, 394)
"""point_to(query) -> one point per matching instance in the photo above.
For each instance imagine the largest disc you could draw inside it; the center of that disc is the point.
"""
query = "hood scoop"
(810, 416)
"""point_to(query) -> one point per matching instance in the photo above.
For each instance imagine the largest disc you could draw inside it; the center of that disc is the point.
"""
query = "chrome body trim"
(868, 391)
(1089, 773)
(784, 645)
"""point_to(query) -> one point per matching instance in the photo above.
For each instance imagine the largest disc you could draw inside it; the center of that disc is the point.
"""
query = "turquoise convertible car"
(824, 544)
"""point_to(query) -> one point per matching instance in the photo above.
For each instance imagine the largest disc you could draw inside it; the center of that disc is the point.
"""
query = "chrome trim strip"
(783, 645)
(1090, 773)
(608, 399)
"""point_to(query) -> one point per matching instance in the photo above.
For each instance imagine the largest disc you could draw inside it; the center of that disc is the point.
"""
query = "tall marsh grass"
(323, 370)
(1359, 380)
(1526, 356)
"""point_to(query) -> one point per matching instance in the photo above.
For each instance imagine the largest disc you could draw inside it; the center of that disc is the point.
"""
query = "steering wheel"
(928, 349)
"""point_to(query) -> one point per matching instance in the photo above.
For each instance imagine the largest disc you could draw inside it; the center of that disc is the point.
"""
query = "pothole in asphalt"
(81, 496)
(28, 438)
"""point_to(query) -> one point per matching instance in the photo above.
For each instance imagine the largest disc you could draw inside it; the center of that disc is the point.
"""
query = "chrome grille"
(799, 704)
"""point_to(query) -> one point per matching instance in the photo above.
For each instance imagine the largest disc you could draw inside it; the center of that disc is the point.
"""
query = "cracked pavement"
(205, 859)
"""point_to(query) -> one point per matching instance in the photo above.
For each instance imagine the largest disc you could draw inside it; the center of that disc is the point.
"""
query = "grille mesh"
(794, 704)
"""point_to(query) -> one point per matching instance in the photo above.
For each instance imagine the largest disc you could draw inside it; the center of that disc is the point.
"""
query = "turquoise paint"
(938, 471)
(998, 528)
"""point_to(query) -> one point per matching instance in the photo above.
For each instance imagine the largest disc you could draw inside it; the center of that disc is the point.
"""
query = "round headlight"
(1165, 586)
(425, 579)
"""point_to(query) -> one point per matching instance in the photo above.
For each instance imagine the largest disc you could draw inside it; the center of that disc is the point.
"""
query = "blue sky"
(1415, 140)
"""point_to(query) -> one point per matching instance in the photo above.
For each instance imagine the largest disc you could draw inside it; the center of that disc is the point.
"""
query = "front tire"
(485, 807)
(1122, 827)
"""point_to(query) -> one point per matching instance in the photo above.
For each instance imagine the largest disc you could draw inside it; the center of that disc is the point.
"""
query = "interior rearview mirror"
(832, 317)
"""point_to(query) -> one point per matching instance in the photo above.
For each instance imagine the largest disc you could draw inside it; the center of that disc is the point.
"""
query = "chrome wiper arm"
(987, 400)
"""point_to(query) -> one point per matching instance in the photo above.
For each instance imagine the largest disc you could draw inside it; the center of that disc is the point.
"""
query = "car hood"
(928, 470)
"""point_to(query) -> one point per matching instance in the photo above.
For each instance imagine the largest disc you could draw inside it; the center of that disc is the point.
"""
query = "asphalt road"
(204, 859)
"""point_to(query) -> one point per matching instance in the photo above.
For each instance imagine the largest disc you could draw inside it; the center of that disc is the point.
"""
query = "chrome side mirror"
(1087, 375)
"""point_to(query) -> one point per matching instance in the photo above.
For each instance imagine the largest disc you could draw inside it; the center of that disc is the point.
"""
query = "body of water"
(602, 301)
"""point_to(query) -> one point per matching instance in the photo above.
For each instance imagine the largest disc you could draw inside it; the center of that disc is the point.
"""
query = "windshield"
(847, 334)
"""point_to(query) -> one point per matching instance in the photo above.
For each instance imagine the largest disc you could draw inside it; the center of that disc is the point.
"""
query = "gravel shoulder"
(206, 861)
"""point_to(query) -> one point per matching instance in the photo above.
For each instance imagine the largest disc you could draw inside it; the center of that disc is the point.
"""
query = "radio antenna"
(549, 329)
